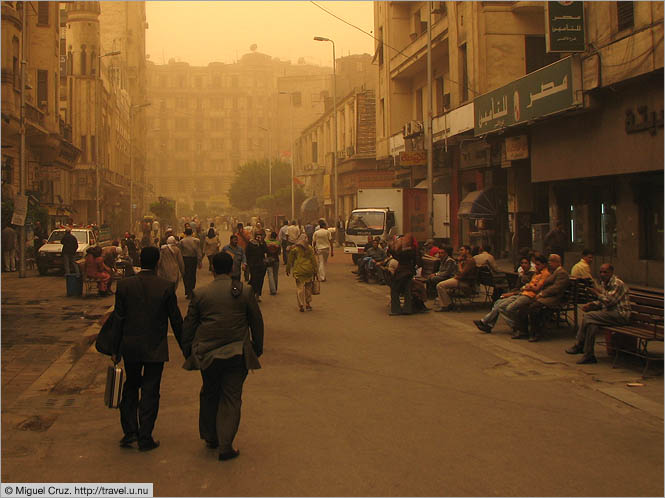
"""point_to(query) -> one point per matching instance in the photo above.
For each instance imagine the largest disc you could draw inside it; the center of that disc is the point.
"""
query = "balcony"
(35, 115)
(65, 131)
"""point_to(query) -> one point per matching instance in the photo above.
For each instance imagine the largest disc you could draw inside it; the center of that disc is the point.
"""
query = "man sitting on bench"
(464, 279)
(447, 269)
(611, 308)
(373, 256)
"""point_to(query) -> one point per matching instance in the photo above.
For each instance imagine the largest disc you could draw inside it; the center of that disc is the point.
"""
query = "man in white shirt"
(485, 258)
(322, 243)
(283, 237)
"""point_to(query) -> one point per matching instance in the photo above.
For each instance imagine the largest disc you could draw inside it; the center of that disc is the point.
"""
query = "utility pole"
(428, 124)
(22, 172)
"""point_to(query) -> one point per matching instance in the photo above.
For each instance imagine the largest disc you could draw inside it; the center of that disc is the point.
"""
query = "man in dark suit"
(550, 295)
(222, 337)
(143, 306)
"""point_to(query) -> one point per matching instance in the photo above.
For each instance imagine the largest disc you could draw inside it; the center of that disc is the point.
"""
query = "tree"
(280, 201)
(251, 183)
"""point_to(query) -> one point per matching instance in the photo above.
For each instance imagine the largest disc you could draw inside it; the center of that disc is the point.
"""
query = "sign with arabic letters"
(565, 27)
(548, 90)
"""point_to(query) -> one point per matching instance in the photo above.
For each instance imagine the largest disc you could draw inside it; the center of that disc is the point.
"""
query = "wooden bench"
(575, 294)
(646, 325)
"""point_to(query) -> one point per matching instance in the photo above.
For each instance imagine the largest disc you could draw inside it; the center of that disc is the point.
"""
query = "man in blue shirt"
(238, 255)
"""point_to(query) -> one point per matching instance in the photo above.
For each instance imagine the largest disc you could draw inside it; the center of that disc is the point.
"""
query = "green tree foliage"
(280, 201)
(251, 183)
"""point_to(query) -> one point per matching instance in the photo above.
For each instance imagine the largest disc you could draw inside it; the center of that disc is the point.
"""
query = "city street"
(350, 401)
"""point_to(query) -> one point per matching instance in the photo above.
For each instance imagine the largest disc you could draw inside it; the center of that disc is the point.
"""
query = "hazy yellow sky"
(203, 32)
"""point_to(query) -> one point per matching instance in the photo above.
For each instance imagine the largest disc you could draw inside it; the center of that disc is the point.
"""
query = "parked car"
(50, 254)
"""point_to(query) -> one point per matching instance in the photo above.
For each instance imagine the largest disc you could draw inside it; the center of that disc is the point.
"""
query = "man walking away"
(237, 254)
(611, 308)
(9, 244)
(70, 245)
(272, 262)
(284, 239)
(192, 257)
(223, 337)
(143, 304)
(322, 247)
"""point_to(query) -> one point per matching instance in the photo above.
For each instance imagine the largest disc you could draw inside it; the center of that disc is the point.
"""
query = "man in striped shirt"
(611, 308)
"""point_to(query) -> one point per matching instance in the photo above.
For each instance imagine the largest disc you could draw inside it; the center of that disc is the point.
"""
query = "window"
(93, 147)
(42, 13)
(625, 15)
(608, 228)
(42, 88)
(577, 224)
(84, 148)
(464, 91)
(296, 99)
(419, 104)
(84, 61)
(380, 49)
(535, 54)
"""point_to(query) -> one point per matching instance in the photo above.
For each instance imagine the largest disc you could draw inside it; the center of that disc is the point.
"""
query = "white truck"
(384, 212)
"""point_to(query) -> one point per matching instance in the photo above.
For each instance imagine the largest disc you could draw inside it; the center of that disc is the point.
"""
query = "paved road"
(353, 402)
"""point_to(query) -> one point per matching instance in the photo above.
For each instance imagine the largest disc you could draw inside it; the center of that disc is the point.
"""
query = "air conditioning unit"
(416, 127)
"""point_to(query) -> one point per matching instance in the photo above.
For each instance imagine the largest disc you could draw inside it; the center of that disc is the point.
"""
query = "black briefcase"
(114, 378)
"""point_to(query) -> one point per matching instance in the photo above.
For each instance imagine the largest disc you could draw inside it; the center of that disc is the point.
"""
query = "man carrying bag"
(222, 337)
(144, 304)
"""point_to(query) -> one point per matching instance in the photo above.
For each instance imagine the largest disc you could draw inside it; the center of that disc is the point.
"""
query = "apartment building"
(50, 153)
(206, 121)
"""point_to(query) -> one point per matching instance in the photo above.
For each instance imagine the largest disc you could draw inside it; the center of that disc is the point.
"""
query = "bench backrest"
(647, 311)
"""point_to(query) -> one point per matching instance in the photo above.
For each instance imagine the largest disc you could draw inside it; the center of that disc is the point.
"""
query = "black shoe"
(445, 308)
(576, 349)
(229, 455)
(586, 359)
(308, 308)
(148, 445)
(482, 327)
(127, 440)
(395, 313)
(519, 336)
(212, 444)
(302, 310)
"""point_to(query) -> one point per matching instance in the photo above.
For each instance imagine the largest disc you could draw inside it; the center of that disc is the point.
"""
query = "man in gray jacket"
(190, 247)
(222, 337)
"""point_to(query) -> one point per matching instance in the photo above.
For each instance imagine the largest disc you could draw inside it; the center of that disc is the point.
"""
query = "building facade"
(506, 160)
(50, 153)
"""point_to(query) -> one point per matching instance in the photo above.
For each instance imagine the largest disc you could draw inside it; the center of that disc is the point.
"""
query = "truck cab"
(364, 223)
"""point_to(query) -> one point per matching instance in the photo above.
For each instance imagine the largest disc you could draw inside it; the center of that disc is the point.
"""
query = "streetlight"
(98, 104)
(131, 163)
(322, 39)
(293, 196)
(269, 132)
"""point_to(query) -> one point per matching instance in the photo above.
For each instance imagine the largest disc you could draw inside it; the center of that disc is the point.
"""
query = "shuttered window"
(42, 88)
(625, 15)
(42, 13)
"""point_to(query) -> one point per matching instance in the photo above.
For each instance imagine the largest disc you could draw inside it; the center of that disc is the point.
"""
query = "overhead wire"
(382, 42)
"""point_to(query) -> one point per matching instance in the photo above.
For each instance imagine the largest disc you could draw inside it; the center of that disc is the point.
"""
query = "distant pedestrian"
(211, 245)
(132, 249)
(192, 256)
(323, 247)
(272, 262)
(144, 304)
(171, 265)
(302, 261)
(257, 252)
(9, 245)
(284, 239)
(223, 338)
(556, 241)
(70, 246)
(237, 253)
(39, 236)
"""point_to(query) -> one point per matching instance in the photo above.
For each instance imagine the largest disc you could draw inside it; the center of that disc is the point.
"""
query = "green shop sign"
(564, 23)
(548, 90)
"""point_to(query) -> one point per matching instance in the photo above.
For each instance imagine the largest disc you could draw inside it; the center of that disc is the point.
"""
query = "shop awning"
(479, 204)
(309, 204)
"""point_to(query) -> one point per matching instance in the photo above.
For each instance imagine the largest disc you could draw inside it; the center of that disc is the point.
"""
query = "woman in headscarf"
(303, 263)
(256, 262)
(211, 246)
(171, 265)
(404, 250)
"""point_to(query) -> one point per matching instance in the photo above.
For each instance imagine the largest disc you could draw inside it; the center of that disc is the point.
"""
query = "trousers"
(9, 258)
(322, 256)
(303, 292)
(273, 276)
(401, 284)
(508, 307)
(189, 278)
(138, 416)
(221, 400)
(257, 275)
(586, 333)
(69, 260)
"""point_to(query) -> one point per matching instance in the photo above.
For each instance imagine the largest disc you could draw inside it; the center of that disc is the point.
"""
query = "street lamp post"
(320, 38)
(131, 163)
